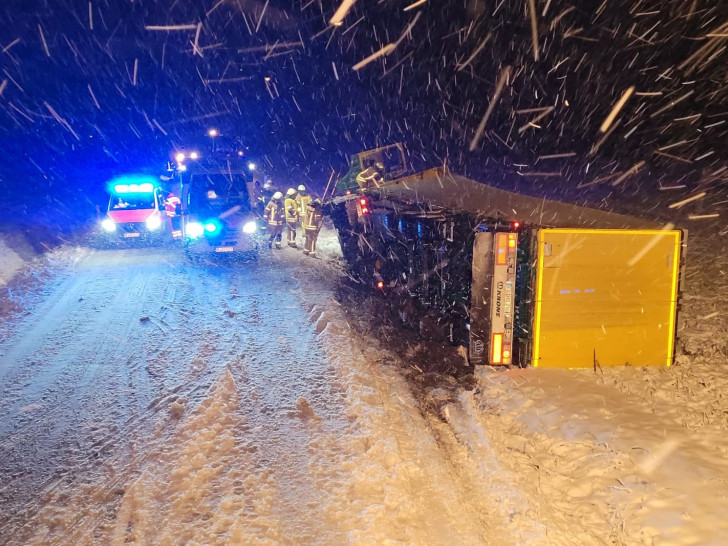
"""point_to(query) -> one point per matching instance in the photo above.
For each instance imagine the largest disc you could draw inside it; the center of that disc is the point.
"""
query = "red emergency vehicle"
(137, 210)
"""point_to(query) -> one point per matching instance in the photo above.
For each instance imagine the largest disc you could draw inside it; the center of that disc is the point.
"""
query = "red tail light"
(516, 225)
(380, 285)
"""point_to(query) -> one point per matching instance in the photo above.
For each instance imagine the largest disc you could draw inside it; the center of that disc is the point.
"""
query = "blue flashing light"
(134, 188)
(133, 183)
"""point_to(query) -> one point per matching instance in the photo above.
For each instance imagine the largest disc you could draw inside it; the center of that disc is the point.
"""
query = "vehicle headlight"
(108, 224)
(250, 227)
(153, 222)
(194, 230)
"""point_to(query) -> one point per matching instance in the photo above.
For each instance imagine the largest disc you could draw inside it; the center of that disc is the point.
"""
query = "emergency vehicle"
(218, 209)
(136, 210)
(520, 280)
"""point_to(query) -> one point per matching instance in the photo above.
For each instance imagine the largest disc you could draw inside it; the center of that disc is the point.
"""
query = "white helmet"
(267, 185)
(277, 195)
(290, 191)
(301, 188)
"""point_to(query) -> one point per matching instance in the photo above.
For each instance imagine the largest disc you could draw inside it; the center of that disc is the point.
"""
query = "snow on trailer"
(519, 279)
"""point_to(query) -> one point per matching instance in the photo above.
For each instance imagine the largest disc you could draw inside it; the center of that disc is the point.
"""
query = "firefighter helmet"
(301, 188)
(290, 191)
(379, 166)
(267, 185)
(277, 195)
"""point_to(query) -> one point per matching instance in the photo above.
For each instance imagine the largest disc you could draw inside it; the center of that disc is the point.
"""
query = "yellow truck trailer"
(520, 280)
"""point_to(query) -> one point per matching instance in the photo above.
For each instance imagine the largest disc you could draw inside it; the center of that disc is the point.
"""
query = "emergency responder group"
(295, 209)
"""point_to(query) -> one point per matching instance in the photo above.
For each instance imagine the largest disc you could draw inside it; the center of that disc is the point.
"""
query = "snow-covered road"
(148, 399)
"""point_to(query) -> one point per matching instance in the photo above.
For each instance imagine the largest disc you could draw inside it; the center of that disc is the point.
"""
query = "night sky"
(513, 93)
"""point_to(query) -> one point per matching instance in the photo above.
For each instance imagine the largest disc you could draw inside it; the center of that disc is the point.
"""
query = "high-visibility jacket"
(171, 204)
(313, 219)
(274, 213)
(291, 210)
(303, 201)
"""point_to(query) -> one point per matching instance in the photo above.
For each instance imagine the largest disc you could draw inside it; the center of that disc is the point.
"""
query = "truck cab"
(391, 157)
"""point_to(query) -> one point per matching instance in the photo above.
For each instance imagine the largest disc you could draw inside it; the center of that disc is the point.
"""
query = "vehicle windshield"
(132, 201)
(218, 193)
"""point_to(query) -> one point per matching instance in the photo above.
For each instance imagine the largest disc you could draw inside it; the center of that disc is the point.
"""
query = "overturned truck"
(519, 280)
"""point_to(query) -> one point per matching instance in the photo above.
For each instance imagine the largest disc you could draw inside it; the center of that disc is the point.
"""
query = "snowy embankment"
(24, 270)
(10, 262)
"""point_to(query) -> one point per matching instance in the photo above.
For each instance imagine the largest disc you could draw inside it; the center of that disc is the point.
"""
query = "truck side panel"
(605, 297)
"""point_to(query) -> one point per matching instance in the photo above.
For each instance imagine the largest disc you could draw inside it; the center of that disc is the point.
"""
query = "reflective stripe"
(303, 202)
(273, 214)
(291, 208)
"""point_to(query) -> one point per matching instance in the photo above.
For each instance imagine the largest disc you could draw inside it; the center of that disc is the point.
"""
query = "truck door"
(606, 297)
(493, 298)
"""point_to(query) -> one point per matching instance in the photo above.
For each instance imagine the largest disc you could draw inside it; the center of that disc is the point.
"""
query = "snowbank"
(10, 262)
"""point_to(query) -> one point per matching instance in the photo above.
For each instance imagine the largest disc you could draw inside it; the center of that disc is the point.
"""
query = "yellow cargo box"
(606, 297)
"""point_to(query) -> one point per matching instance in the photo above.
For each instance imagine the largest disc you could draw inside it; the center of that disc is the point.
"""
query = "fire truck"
(519, 280)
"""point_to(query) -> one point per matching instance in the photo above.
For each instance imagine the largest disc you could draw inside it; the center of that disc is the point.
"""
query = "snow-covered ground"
(10, 263)
(617, 456)
(232, 404)
(148, 399)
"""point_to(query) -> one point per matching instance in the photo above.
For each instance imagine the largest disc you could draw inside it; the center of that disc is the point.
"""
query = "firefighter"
(258, 198)
(311, 223)
(303, 199)
(263, 196)
(372, 176)
(274, 215)
(291, 207)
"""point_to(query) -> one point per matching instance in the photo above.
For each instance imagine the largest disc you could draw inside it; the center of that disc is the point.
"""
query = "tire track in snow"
(115, 410)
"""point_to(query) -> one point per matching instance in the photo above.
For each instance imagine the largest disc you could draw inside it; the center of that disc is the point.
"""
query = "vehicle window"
(131, 202)
(217, 193)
